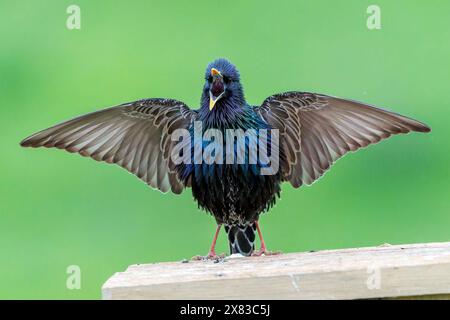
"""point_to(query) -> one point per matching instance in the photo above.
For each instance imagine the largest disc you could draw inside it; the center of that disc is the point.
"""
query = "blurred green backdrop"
(59, 209)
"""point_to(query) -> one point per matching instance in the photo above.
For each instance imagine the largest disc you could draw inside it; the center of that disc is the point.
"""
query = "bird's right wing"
(316, 130)
(134, 135)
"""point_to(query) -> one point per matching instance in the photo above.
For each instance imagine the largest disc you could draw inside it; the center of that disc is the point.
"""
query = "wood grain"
(398, 271)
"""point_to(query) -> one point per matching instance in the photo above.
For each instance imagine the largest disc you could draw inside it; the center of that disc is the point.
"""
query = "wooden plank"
(417, 270)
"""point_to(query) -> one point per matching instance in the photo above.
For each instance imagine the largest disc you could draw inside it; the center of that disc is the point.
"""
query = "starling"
(312, 132)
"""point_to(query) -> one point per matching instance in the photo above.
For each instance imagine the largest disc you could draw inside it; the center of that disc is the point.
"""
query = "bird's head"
(222, 85)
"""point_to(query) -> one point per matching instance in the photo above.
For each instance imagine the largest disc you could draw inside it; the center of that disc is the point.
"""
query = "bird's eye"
(210, 79)
(226, 80)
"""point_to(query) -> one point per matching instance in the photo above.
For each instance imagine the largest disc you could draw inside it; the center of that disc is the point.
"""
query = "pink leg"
(263, 249)
(263, 244)
(212, 251)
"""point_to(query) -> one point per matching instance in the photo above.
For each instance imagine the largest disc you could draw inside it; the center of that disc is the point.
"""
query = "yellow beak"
(212, 101)
(215, 72)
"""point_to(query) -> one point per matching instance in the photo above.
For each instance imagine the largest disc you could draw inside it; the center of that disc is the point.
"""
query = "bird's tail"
(241, 238)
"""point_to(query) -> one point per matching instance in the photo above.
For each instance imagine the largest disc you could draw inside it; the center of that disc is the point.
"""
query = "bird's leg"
(263, 250)
(212, 251)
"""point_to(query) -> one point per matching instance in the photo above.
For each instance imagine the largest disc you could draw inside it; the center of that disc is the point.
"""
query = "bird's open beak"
(217, 90)
(213, 100)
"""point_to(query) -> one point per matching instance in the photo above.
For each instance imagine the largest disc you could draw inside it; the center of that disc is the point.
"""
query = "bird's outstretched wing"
(134, 135)
(316, 130)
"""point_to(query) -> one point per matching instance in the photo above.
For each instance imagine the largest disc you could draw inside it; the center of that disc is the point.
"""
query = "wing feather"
(316, 130)
(135, 136)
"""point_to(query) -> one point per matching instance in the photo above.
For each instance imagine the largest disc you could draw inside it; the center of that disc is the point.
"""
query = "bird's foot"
(264, 252)
(210, 256)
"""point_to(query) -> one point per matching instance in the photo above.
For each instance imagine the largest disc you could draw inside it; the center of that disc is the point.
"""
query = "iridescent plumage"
(315, 130)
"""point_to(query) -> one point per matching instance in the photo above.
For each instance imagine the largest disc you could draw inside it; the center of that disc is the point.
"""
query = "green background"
(59, 209)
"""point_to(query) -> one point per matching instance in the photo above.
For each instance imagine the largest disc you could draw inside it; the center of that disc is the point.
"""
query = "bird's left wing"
(134, 135)
(315, 130)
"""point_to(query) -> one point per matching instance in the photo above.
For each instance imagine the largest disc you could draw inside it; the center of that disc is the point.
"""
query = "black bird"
(314, 130)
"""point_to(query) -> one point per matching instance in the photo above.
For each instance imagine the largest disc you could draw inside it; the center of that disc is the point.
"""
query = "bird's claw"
(210, 256)
(265, 252)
